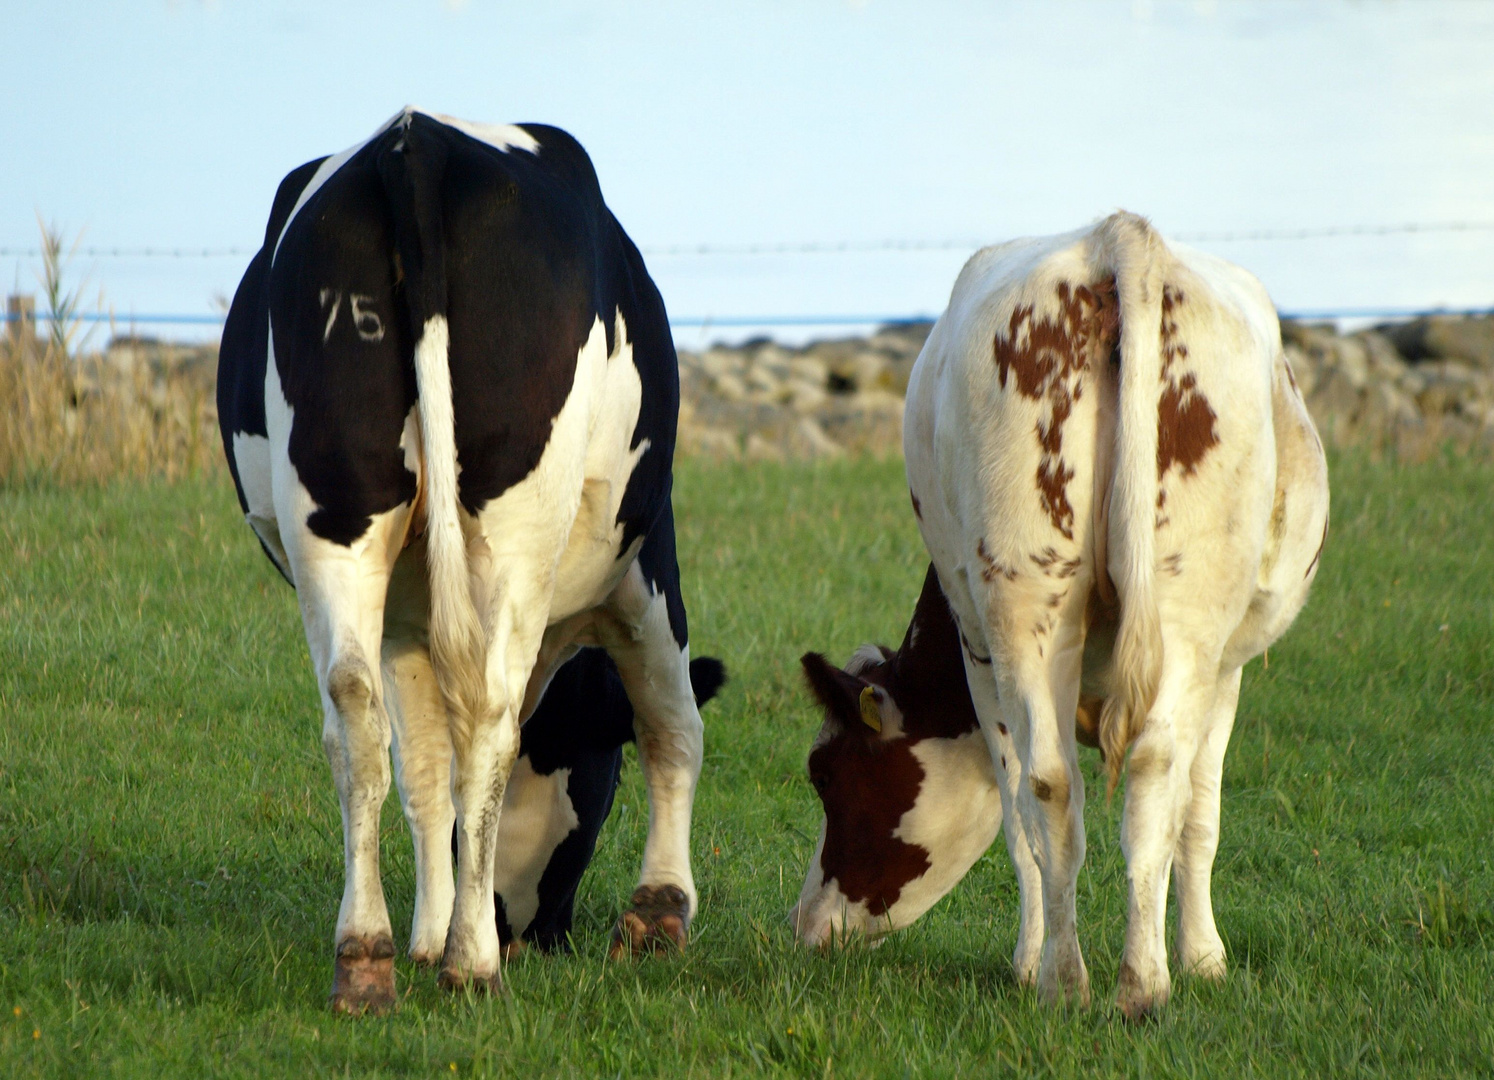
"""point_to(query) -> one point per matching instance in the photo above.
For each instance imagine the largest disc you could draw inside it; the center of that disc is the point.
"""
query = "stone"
(1351, 359)
(1412, 382)
(1307, 336)
(903, 339)
(805, 397)
(810, 369)
(1448, 384)
(1445, 337)
(810, 442)
(729, 387)
(717, 362)
(1334, 404)
(1384, 361)
(1386, 409)
(760, 379)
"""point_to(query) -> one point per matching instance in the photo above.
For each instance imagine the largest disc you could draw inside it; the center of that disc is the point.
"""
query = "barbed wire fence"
(811, 247)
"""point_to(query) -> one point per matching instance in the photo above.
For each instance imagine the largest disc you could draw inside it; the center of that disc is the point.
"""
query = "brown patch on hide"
(867, 782)
(1045, 360)
(1173, 347)
(1185, 426)
(1185, 419)
(1048, 791)
(991, 569)
(1173, 564)
(926, 676)
(1052, 564)
(866, 786)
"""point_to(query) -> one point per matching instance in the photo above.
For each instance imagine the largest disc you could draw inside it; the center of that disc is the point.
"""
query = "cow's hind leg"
(1050, 804)
(1028, 954)
(1159, 791)
(518, 581)
(1200, 949)
(645, 633)
(1036, 676)
(422, 764)
(341, 590)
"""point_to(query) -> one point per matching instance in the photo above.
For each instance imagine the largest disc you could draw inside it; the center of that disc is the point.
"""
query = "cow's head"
(905, 779)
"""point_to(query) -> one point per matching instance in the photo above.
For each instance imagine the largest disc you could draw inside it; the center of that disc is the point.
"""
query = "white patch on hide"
(537, 816)
(505, 137)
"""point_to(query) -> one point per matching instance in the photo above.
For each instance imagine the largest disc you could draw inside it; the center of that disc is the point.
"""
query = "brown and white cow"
(1117, 480)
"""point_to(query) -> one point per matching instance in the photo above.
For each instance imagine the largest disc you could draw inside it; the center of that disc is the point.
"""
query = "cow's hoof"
(456, 982)
(658, 918)
(363, 981)
(426, 958)
(1025, 971)
(514, 949)
(1205, 963)
(1063, 980)
(1135, 999)
(1061, 993)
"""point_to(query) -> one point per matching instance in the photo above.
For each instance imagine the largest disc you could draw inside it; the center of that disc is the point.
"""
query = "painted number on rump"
(366, 321)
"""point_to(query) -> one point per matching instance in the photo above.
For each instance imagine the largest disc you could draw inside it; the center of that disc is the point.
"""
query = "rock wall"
(1414, 387)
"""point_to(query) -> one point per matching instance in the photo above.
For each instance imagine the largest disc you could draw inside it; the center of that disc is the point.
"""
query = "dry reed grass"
(66, 420)
(71, 417)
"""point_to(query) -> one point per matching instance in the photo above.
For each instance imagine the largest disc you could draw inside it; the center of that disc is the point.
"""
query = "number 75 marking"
(366, 321)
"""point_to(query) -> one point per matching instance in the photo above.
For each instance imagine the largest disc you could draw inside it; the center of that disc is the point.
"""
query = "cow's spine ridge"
(411, 168)
(1131, 250)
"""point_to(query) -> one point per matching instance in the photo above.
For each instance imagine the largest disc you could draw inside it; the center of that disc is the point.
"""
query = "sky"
(847, 124)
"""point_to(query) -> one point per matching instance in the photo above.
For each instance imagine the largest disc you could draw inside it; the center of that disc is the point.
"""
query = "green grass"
(170, 863)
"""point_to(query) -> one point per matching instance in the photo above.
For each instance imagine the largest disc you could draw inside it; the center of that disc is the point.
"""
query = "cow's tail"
(411, 164)
(1131, 250)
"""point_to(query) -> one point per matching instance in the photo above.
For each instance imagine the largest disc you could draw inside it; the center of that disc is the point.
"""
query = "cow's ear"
(879, 712)
(838, 693)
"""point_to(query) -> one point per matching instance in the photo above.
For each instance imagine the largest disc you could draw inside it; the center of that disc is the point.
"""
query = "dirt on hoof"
(363, 979)
(1132, 998)
(425, 959)
(455, 982)
(658, 918)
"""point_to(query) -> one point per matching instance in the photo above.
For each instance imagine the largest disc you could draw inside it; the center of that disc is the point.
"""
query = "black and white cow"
(448, 396)
(560, 793)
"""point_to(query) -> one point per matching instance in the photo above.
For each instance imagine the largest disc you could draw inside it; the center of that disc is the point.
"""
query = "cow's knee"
(350, 685)
(1051, 789)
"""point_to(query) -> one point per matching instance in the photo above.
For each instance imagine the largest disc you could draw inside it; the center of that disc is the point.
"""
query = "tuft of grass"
(170, 859)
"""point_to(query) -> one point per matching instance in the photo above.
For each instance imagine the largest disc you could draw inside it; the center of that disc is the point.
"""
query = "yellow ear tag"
(871, 716)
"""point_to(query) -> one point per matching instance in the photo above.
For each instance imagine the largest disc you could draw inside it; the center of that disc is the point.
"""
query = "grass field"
(170, 859)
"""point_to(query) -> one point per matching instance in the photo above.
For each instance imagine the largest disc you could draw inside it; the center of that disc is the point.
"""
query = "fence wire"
(836, 247)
